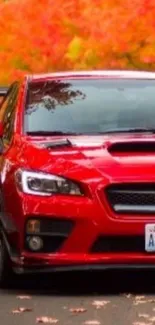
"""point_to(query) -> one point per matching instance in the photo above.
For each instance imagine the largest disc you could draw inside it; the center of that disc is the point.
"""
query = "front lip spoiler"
(74, 268)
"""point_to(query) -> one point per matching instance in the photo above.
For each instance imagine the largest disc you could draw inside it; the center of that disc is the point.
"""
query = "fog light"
(35, 243)
(33, 226)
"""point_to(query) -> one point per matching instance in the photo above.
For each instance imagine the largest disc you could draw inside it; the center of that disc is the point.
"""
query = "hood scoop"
(132, 147)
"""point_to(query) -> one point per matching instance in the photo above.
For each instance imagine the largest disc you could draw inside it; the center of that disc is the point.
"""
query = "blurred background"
(46, 35)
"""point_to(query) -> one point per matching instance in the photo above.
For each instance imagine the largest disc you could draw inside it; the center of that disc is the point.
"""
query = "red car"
(77, 172)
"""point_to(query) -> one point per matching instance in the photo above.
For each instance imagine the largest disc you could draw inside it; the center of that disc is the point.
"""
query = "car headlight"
(38, 183)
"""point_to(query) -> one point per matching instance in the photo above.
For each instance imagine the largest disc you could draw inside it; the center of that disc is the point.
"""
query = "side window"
(9, 113)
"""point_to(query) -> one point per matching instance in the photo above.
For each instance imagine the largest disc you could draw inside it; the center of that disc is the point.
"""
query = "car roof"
(94, 73)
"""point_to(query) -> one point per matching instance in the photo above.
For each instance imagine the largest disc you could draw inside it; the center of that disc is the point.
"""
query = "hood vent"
(135, 146)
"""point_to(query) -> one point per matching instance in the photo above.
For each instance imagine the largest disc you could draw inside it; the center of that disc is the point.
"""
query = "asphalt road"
(118, 298)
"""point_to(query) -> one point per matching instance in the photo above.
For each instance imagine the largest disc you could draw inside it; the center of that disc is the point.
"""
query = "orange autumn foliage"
(45, 35)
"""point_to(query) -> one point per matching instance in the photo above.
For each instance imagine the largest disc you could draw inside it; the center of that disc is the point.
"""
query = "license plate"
(150, 237)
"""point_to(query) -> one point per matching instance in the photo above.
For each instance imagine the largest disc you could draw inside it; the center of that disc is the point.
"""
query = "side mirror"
(1, 129)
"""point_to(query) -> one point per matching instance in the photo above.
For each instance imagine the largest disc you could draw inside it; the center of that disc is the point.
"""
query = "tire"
(6, 272)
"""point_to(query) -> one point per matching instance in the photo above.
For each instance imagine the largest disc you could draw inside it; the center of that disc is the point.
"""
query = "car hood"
(112, 157)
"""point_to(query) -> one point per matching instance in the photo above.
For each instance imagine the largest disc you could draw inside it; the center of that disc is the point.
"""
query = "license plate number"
(150, 238)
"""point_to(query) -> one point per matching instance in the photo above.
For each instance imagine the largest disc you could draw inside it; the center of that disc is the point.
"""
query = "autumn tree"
(42, 36)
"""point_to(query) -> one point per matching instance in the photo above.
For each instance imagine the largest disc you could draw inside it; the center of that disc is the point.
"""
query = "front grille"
(118, 244)
(132, 198)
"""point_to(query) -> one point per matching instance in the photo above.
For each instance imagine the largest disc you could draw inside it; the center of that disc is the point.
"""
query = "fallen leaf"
(152, 319)
(92, 322)
(24, 297)
(141, 323)
(138, 302)
(100, 303)
(144, 315)
(16, 311)
(128, 295)
(77, 310)
(46, 320)
(21, 310)
(139, 297)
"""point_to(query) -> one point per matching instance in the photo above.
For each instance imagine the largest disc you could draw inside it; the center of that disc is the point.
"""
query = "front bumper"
(92, 218)
(41, 264)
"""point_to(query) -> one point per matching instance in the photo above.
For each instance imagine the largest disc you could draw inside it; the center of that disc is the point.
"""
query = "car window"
(89, 106)
(4, 104)
(8, 112)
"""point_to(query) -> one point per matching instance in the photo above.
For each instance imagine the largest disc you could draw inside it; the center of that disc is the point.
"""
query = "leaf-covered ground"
(103, 298)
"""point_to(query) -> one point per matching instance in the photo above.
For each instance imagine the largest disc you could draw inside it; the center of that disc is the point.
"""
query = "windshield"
(89, 106)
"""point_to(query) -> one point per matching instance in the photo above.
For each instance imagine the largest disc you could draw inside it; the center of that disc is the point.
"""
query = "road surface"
(119, 298)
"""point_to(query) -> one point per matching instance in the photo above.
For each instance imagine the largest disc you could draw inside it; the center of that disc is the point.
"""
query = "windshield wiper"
(61, 133)
(55, 143)
(130, 130)
(50, 133)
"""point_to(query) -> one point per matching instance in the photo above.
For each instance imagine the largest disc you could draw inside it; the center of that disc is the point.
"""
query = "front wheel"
(6, 272)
